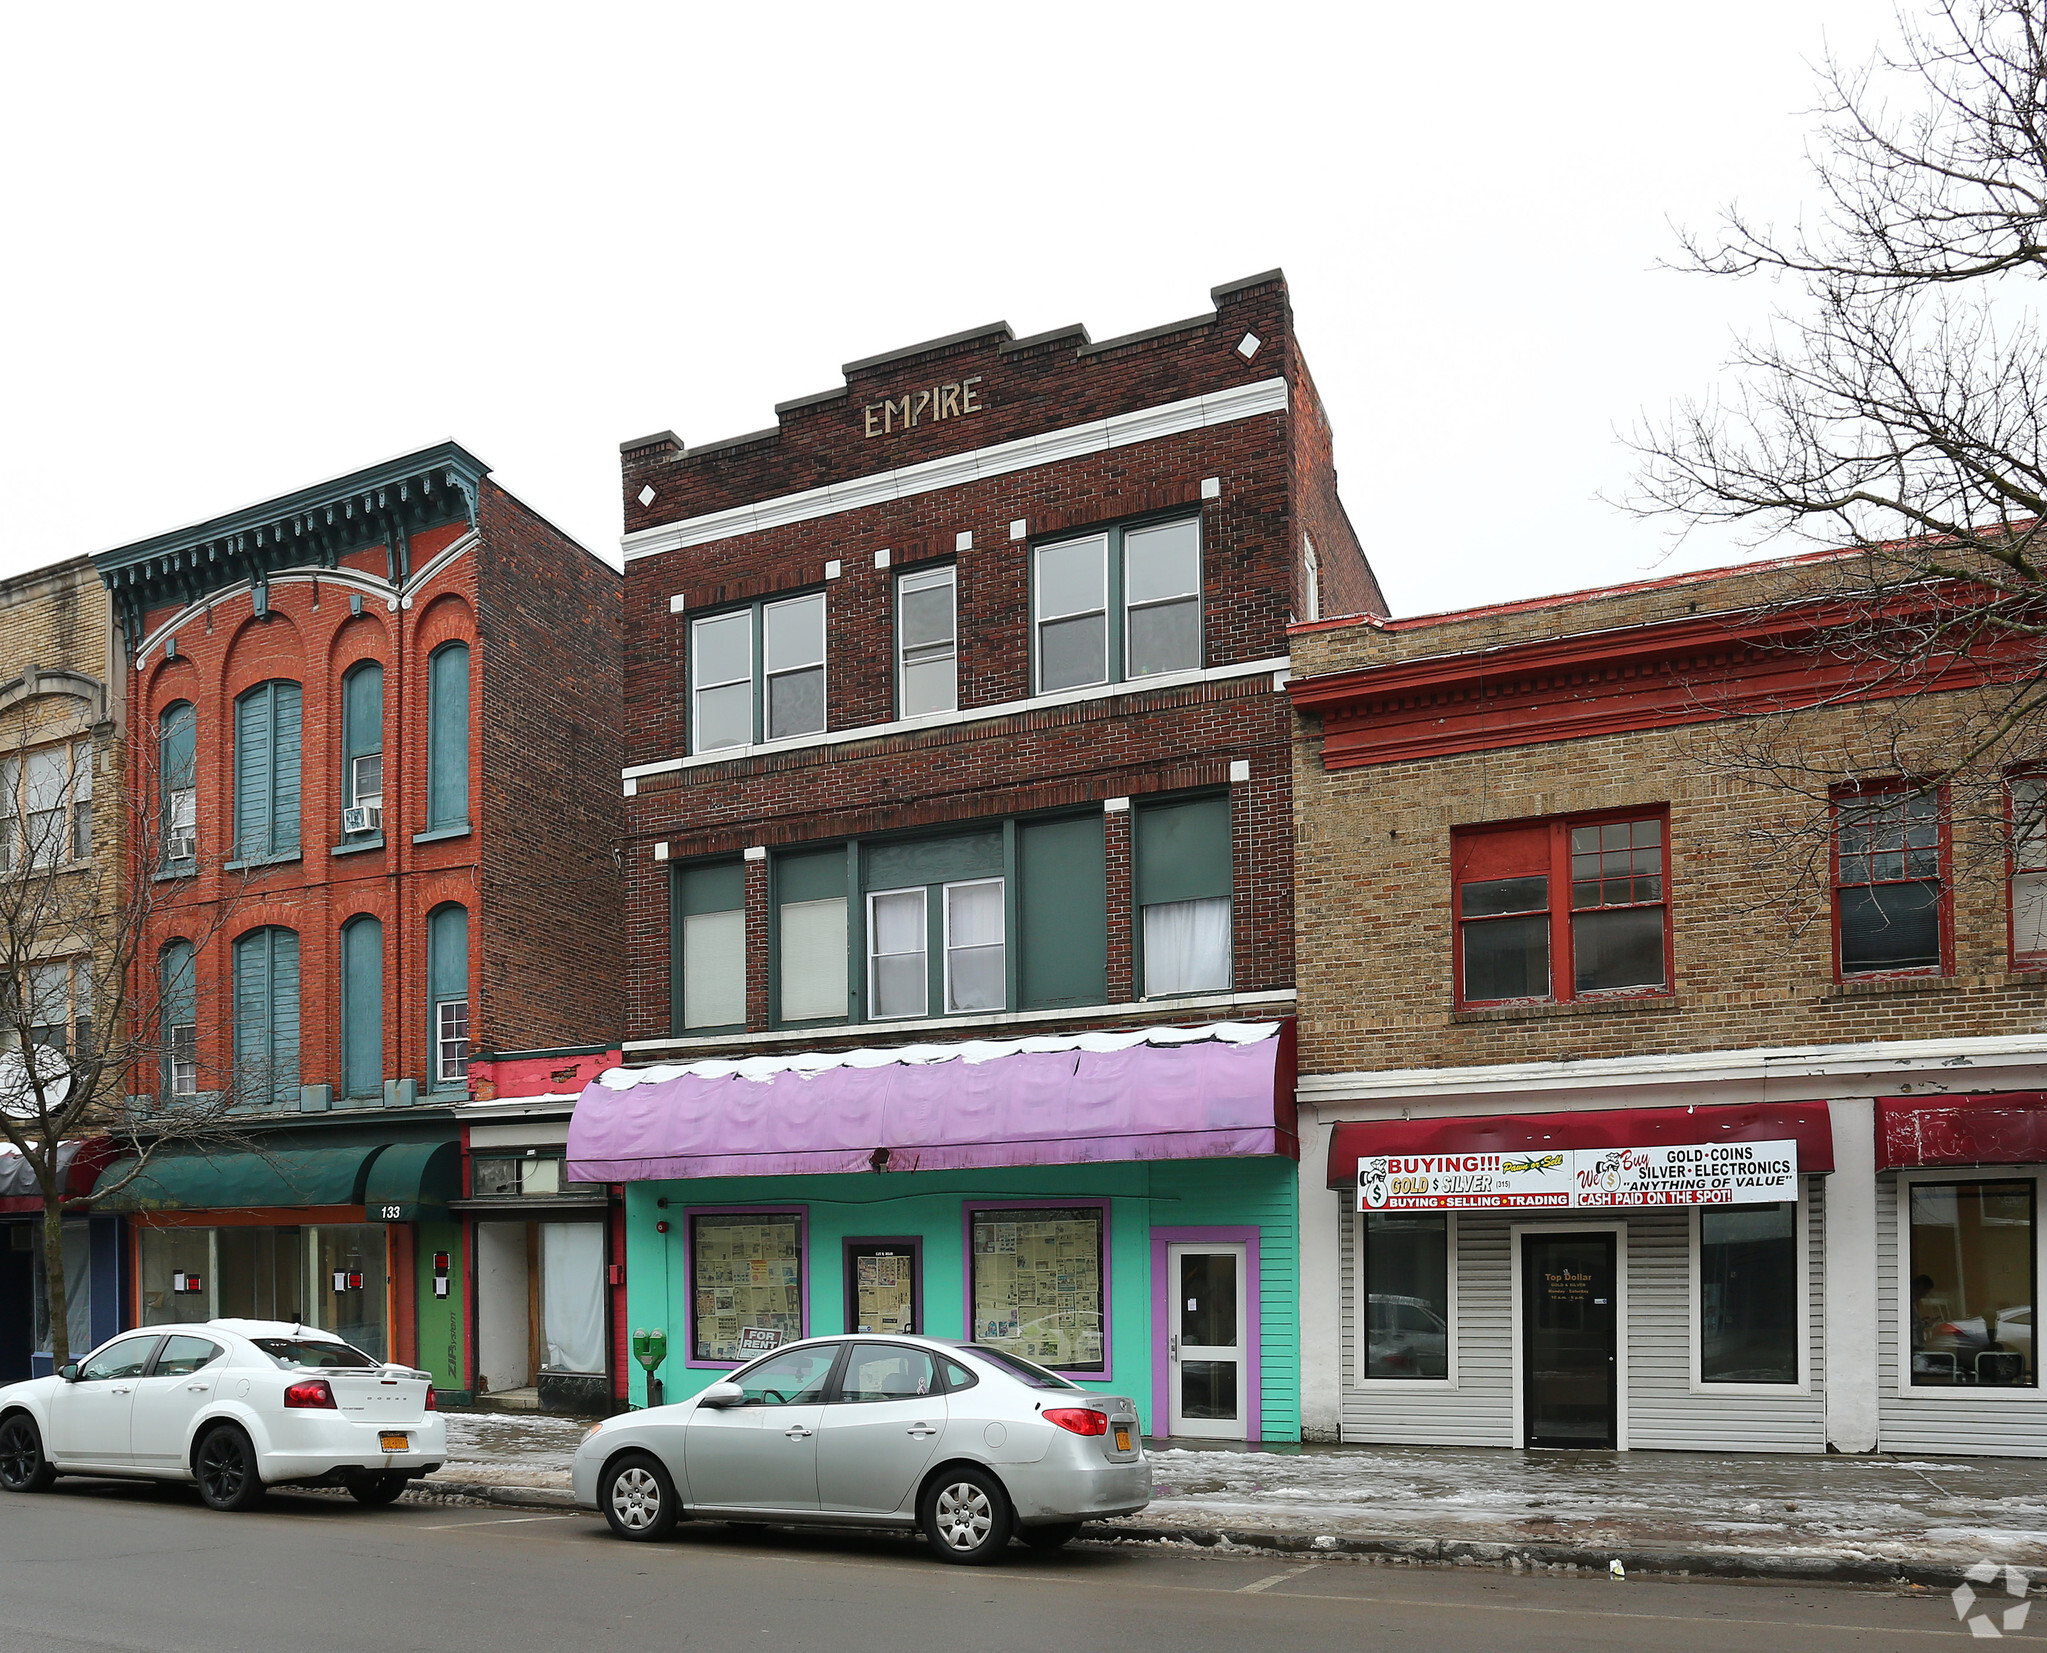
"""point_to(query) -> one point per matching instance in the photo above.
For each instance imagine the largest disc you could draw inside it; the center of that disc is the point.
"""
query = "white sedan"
(969, 1443)
(234, 1406)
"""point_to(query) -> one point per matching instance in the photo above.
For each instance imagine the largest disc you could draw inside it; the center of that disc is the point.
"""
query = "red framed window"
(2028, 802)
(1571, 908)
(1891, 911)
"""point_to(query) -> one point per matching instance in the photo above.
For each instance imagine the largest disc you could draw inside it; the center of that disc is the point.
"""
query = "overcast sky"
(249, 249)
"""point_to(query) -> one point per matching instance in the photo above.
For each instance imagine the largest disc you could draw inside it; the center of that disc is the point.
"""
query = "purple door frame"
(1164, 1290)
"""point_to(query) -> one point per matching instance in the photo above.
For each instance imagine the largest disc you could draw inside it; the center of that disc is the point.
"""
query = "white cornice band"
(955, 470)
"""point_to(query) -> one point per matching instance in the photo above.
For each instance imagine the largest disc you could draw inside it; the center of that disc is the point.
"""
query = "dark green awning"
(413, 1179)
(188, 1180)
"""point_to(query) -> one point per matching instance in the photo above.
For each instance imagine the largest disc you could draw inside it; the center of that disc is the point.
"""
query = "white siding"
(1664, 1411)
(1953, 1422)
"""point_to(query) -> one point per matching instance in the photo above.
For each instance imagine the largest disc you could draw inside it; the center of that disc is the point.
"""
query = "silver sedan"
(969, 1443)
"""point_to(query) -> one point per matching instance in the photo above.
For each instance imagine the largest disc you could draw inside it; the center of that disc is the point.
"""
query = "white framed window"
(366, 781)
(1969, 1261)
(184, 1058)
(1071, 594)
(1117, 605)
(758, 674)
(1162, 598)
(794, 634)
(897, 954)
(451, 1040)
(1311, 581)
(927, 642)
(976, 975)
(721, 681)
(1751, 1298)
(46, 807)
(1406, 1299)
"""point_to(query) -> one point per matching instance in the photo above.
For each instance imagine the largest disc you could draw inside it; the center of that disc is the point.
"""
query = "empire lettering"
(907, 411)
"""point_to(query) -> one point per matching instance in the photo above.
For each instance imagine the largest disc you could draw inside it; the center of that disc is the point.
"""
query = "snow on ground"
(1956, 1510)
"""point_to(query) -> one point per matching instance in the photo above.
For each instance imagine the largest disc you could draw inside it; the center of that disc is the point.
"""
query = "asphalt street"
(100, 1565)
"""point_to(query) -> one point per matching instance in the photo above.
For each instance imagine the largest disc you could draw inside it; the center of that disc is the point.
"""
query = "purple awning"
(1174, 1093)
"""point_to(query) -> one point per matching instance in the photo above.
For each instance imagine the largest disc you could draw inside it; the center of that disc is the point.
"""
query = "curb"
(1410, 1551)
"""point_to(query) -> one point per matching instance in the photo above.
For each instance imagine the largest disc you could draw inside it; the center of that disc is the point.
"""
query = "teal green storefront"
(1188, 1266)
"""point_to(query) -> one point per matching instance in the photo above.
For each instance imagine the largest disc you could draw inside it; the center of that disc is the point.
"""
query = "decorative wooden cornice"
(383, 505)
(1651, 676)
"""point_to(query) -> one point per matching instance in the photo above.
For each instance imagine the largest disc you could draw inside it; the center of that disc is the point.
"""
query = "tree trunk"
(53, 1281)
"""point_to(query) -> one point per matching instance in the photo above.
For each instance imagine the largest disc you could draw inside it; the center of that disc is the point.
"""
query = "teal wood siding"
(362, 1008)
(1063, 912)
(267, 771)
(932, 1207)
(447, 976)
(267, 1018)
(448, 737)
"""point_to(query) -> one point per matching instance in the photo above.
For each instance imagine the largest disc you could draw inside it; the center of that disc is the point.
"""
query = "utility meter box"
(650, 1348)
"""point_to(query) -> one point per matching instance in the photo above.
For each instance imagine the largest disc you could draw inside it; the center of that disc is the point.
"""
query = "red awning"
(1804, 1122)
(2005, 1129)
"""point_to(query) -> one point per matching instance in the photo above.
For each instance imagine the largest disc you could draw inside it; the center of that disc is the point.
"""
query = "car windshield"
(1017, 1367)
(294, 1352)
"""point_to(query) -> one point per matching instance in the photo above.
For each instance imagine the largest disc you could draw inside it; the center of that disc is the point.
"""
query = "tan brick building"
(1614, 1132)
(61, 727)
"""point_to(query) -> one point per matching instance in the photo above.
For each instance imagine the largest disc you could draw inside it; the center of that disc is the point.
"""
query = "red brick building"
(367, 715)
(955, 711)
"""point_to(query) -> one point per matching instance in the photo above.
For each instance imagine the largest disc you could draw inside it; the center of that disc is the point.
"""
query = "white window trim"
(945, 924)
(821, 665)
(923, 895)
(928, 579)
(1199, 597)
(1361, 1357)
(1901, 1285)
(1802, 1245)
(1040, 619)
(441, 1074)
(1517, 1316)
(697, 687)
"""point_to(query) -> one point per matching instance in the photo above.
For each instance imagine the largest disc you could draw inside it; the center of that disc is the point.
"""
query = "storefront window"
(332, 1277)
(1038, 1285)
(1407, 1295)
(77, 1290)
(746, 1274)
(347, 1279)
(530, 1176)
(262, 1272)
(1748, 1294)
(1972, 1287)
(177, 1275)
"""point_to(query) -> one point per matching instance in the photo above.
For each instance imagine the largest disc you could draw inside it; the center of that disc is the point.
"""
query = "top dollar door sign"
(1693, 1173)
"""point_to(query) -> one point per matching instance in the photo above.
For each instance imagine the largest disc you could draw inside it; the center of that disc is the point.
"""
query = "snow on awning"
(1218, 1091)
(2009, 1128)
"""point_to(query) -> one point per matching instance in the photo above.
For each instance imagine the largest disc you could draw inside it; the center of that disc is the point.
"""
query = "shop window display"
(1748, 1294)
(1973, 1285)
(1038, 1285)
(746, 1274)
(1407, 1295)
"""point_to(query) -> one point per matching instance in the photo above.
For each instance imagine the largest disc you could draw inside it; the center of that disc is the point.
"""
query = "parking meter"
(650, 1349)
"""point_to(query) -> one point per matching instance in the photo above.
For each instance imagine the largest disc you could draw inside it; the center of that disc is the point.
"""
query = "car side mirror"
(70, 1373)
(722, 1393)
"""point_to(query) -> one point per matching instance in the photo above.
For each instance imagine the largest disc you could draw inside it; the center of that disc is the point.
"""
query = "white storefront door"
(1205, 1319)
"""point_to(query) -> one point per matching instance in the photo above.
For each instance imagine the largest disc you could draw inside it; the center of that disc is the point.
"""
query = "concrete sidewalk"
(1871, 1519)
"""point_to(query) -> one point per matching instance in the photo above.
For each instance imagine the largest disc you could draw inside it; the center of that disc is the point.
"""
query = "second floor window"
(1889, 894)
(1120, 604)
(927, 632)
(758, 674)
(1561, 910)
(46, 806)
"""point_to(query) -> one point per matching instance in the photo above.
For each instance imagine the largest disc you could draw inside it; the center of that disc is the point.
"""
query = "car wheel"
(966, 1516)
(23, 1468)
(376, 1490)
(637, 1496)
(226, 1468)
(1050, 1538)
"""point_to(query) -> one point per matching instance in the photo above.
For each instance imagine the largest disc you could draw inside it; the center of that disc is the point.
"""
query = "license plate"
(397, 1442)
(1122, 1440)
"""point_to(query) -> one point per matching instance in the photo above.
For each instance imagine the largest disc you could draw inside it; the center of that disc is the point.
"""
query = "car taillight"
(311, 1392)
(432, 1405)
(1078, 1419)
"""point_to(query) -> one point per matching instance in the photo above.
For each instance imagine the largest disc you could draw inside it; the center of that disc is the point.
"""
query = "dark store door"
(883, 1293)
(1568, 1320)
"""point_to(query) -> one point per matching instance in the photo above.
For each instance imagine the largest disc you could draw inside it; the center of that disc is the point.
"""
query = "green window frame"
(362, 1007)
(1183, 884)
(267, 778)
(1062, 912)
(447, 758)
(936, 916)
(266, 1017)
(707, 947)
(1117, 604)
(813, 897)
(177, 764)
(758, 673)
(447, 1009)
(362, 750)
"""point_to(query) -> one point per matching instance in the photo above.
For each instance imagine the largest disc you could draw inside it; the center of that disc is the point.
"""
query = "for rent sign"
(1699, 1173)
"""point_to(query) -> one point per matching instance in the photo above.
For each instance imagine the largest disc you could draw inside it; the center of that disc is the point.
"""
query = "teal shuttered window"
(1183, 896)
(710, 929)
(447, 971)
(448, 738)
(813, 983)
(362, 1007)
(177, 767)
(267, 772)
(1062, 913)
(178, 1016)
(362, 751)
(267, 1018)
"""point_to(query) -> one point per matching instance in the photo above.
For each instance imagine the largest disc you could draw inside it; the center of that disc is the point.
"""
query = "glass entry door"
(1568, 1353)
(883, 1291)
(1205, 1346)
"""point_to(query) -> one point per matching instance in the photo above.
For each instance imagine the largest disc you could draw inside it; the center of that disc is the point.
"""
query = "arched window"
(267, 772)
(267, 1018)
(447, 975)
(178, 1011)
(362, 751)
(448, 737)
(362, 1007)
(177, 766)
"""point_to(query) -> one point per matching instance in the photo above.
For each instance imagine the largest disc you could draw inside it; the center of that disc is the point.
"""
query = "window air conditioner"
(368, 817)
